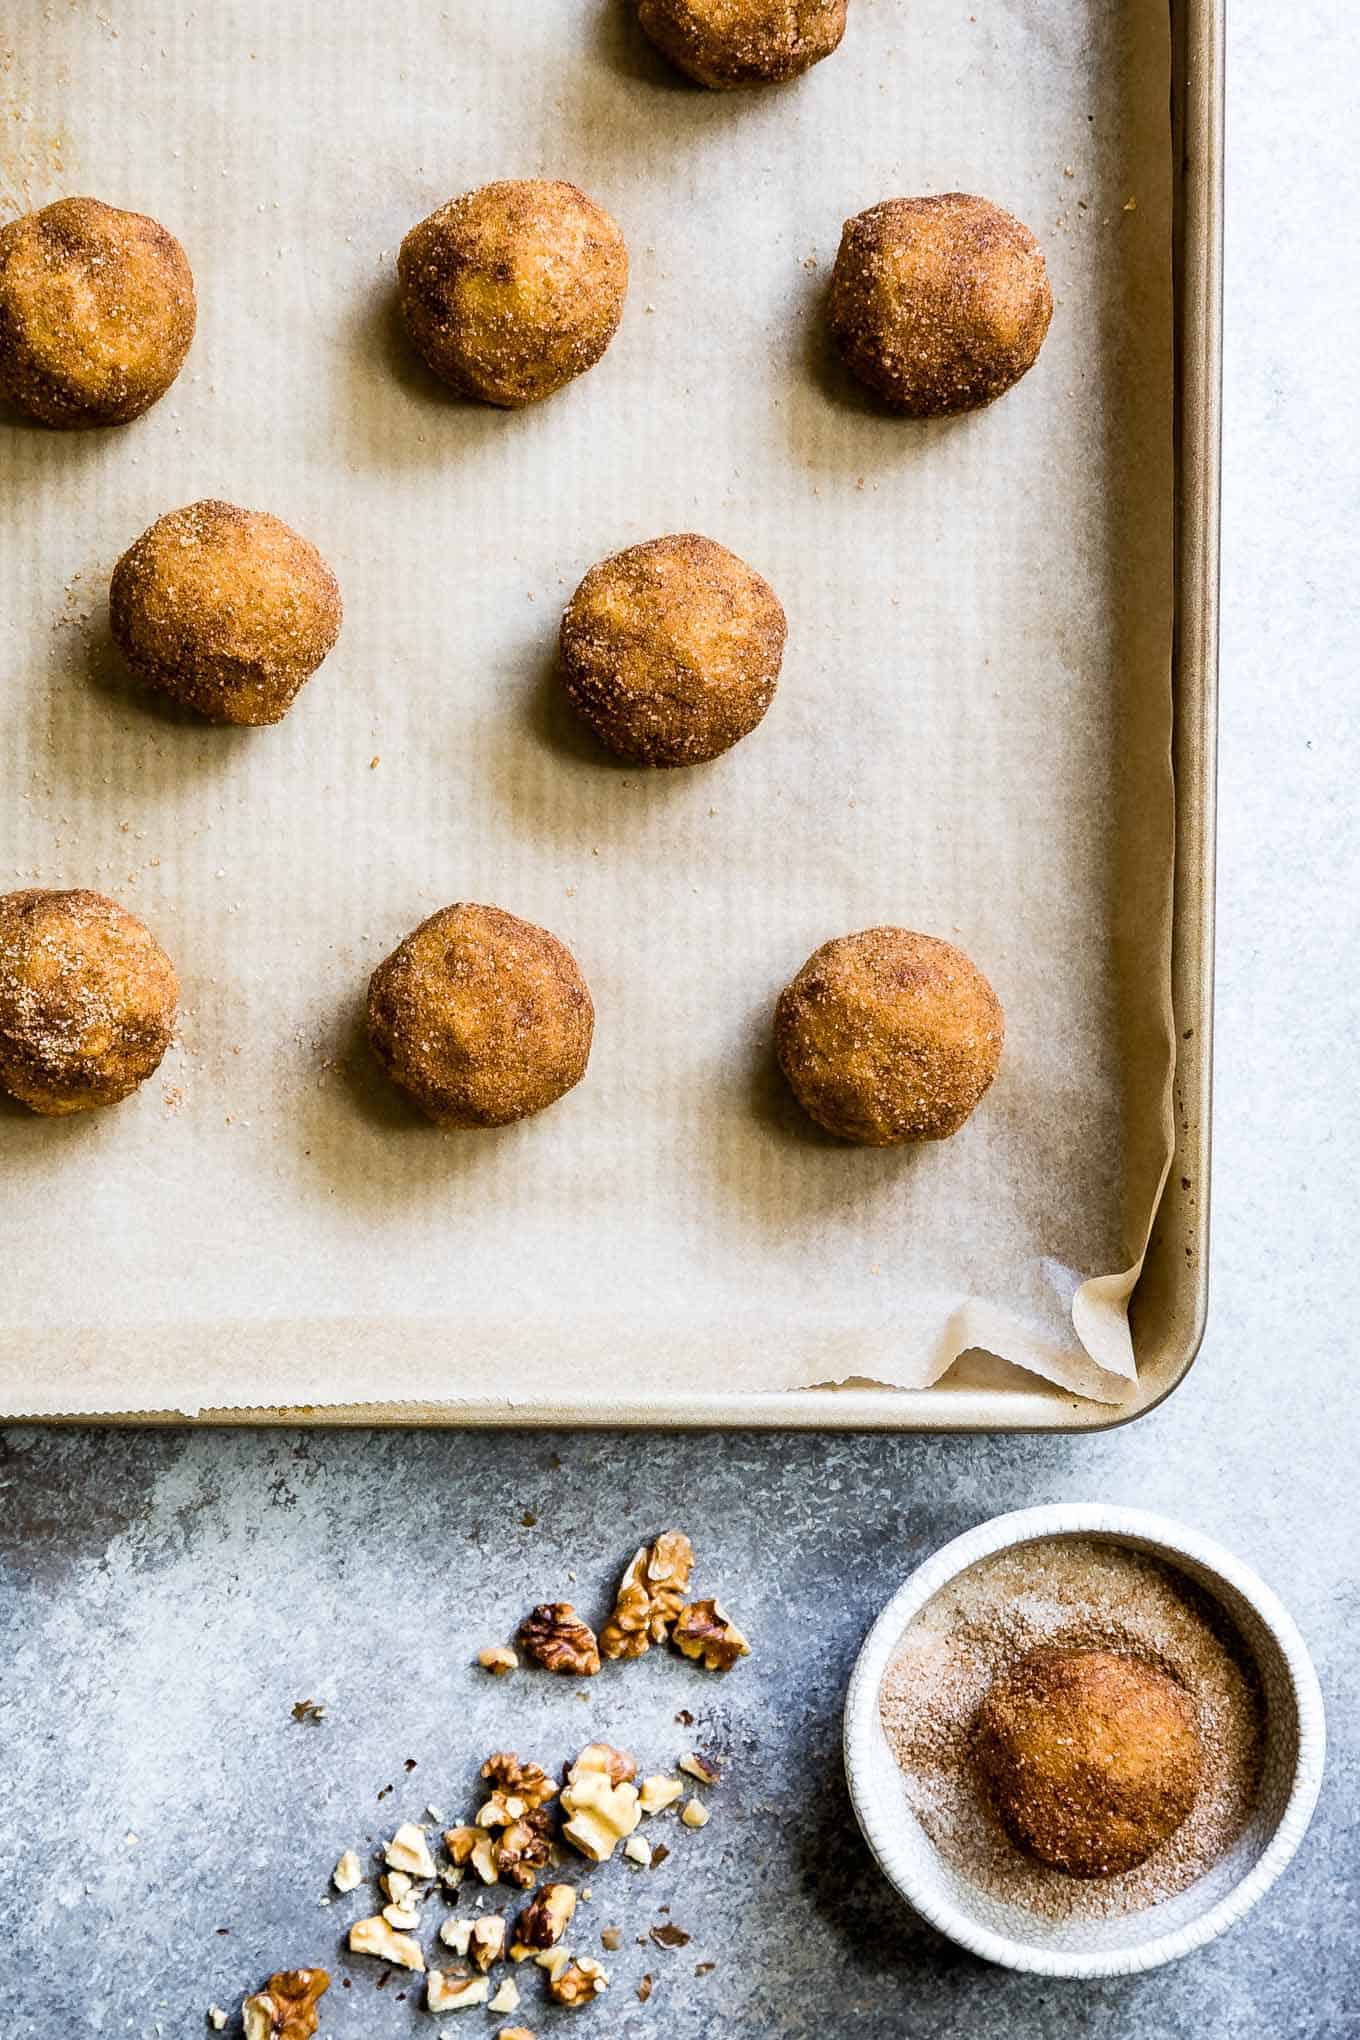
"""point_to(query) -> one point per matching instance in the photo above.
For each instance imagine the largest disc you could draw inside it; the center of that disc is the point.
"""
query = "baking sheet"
(972, 735)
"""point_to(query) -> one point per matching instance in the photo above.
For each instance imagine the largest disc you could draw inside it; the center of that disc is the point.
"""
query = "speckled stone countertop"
(165, 1599)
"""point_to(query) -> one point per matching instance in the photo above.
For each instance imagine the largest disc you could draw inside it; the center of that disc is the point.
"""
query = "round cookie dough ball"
(671, 650)
(887, 1036)
(939, 304)
(729, 43)
(96, 313)
(511, 291)
(87, 1000)
(227, 611)
(1092, 1757)
(481, 1018)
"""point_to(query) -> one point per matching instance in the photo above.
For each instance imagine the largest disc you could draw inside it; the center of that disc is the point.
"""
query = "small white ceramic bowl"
(1292, 1774)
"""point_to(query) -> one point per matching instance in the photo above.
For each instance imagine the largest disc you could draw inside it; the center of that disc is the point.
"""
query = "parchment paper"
(971, 736)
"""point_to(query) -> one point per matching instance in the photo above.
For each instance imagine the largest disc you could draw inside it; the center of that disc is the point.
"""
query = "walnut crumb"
(498, 1659)
(638, 1851)
(611, 1939)
(506, 1998)
(447, 1993)
(659, 1793)
(348, 1873)
(408, 1850)
(701, 1768)
(375, 1937)
(694, 1815)
(580, 1982)
(217, 2018)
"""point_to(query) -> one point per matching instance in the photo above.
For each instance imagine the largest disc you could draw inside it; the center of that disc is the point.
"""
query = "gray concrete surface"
(164, 1599)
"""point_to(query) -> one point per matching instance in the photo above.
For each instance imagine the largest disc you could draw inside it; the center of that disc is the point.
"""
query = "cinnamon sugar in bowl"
(1084, 1578)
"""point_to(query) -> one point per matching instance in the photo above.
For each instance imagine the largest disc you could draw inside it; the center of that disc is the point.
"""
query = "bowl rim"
(1026, 1526)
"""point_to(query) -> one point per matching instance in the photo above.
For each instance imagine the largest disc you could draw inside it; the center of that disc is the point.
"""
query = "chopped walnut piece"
(348, 1873)
(401, 1913)
(456, 1934)
(659, 1793)
(600, 1811)
(705, 1631)
(477, 1846)
(638, 1851)
(461, 1841)
(397, 1885)
(554, 1961)
(517, 1789)
(375, 1937)
(694, 1815)
(447, 1993)
(546, 1917)
(488, 1941)
(579, 1983)
(555, 1635)
(617, 1765)
(286, 2008)
(513, 2032)
(408, 1850)
(521, 1852)
(650, 1596)
(506, 1998)
(217, 2018)
(644, 1990)
(700, 1767)
(498, 1659)
(611, 1938)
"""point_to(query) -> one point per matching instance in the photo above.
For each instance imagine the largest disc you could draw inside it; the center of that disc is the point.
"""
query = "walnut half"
(286, 2008)
(707, 1632)
(555, 1635)
(651, 1595)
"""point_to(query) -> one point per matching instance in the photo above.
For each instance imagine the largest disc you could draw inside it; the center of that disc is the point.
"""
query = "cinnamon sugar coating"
(96, 313)
(512, 290)
(672, 649)
(480, 1017)
(88, 1000)
(1092, 1757)
(725, 44)
(889, 1036)
(228, 611)
(939, 304)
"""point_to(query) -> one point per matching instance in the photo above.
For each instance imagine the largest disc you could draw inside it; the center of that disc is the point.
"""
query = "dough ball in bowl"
(512, 290)
(939, 304)
(671, 650)
(889, 1036)
(96, 313)
(729, 43)
(88, 1000)
(481, 1018)
(227, 611)
(1092, 1758)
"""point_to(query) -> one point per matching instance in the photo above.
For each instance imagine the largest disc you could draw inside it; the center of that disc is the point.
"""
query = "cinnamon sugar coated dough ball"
(88, 1000)
(227, 611)
(939, 304)
(481, 1018)
(888, 1036)
(511, 291)
(1092, 1758)
(96, 313)
(671, 650)
(729, 43)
